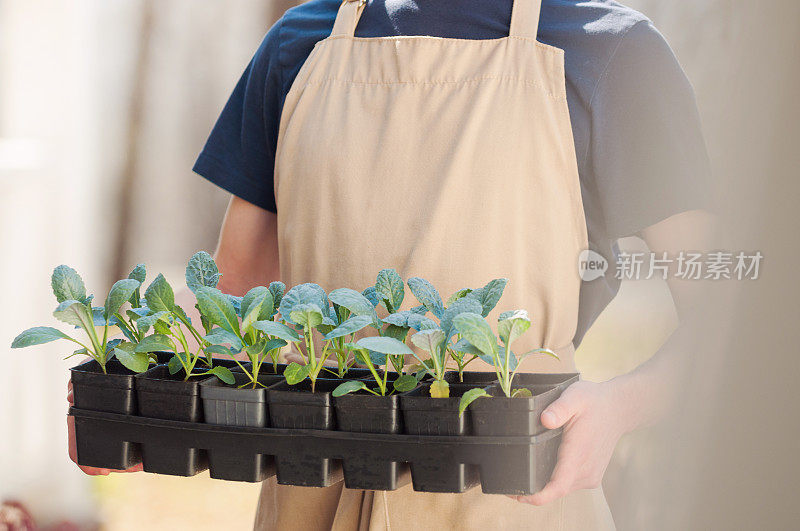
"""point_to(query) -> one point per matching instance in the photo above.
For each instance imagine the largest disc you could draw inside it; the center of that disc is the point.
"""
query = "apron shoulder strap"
(347, 17)
(525, 18)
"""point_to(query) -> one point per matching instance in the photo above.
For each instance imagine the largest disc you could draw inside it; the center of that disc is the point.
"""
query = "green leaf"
(114, 343)
(223, 373)
(458, 295)
(75, 313)
(181, 314)
(469, 397)
(160, 327)
(349, 387)
(351, 326)
(378, 359)
(144, 323)
(545, 351)
(276, 329)
(38, 335)
(420, 322)
(396, 332)
(429, 340)
(490, 294)
(218, 309)
(295, 373)
(384, 345)
(202, 271)
(371, 294)
(99, 317)
(304, 294)
(121, 292)
(274, 344)
(427, 295)
(159, 295)
(307, 315)
(477, 331)
(421, 310)
(511, 325)
(390, 289)
(465, 305)
(138, 273)
(174, 364)
(354, 301)
(220, 350)
(220, 336)
(156, 343)
(136, 313)
(440, 389)
(67, 285)
(127, 355)
(330, 323)
(277, 289)
(401, 318)
(405, 383)
(521, 393)
(465, 347)
(254, 351)
(236, 302)
(257, 305)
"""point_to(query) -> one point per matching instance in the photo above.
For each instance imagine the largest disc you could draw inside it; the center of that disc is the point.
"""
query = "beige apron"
(448, 159)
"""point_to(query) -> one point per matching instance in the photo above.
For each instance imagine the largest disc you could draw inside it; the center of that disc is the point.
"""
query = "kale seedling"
(511, 325)
(351, 310)
(307, 307)
(75, 308)
(169, 320)
(389, 290)
(258, 305)
(372, 351)
(488, 297)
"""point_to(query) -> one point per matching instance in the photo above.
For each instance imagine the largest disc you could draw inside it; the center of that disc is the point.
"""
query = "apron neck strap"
(347, 17)
(525, 18)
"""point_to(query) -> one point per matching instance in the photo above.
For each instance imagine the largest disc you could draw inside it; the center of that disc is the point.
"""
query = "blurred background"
(104, 106)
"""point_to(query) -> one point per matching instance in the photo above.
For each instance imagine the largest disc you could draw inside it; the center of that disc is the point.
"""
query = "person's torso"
(589, 32)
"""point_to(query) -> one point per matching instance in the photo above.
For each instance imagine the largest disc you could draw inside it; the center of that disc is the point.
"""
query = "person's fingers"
(562, 410)
(550, 493)
(90, 471)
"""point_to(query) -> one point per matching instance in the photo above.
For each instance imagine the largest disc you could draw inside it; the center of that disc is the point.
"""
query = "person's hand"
(73, 452)
(594, 417)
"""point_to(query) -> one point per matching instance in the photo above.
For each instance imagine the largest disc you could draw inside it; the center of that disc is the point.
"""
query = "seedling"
(169, 320)
(352, 311)
(98, 323)
(372, 351)
(307, 308)
(488, 297)
(476, 331)
(389, 290)
(436, 339)
(247, 336)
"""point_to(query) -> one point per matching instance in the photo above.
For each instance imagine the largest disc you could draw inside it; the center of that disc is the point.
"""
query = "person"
(460, 141)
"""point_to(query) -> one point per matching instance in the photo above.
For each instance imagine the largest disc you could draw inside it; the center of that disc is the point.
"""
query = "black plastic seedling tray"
(506, 465)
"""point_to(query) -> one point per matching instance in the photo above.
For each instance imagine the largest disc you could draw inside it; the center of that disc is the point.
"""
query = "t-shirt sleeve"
(647, 151)
(239, 155)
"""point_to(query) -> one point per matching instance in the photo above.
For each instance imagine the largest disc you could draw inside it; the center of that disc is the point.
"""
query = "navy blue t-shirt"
(641, 155)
